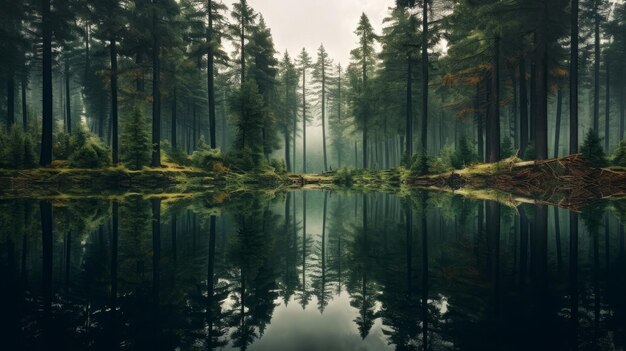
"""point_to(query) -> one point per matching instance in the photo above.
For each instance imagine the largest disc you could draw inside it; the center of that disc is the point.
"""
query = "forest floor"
(567, 182)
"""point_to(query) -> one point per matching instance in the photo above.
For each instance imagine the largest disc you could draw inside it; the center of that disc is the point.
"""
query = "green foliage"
(135, 141)
(177, 155)
(206, 158)
(88, 151)
(62, 147)
(592, 151)
(242, 160)
(506, 148)
(248, 106)
(17, 149)
(345, 176)
(619, 155)
(464, 155)
(530, 153)
(420, 164)
(278, 166)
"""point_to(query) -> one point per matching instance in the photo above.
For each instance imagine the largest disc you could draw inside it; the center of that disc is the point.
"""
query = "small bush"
(592, 150)
(345, 176)
(206, 158)
(530, 153)
(17, 149)
(62, 147)
(175, 155)
(619, 155)
(420, 164)
(278, 166)
(506, 148)
(464, 155)
(88, 151)
(242, 160)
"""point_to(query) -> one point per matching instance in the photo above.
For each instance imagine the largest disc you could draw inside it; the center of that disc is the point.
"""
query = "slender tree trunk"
(174, 130)
(339, 111)
(47, 123)
(573, 91)
(596, 70)
(156, 93)
(541, 94)
(515, 122)
(304, 120)
(114, 118)
(24, 104)
(365, 118)
(622, 111)
(607, 120)
(68, 97)
(409, 109)
(324, 116)
(479, 126)
(10, 101)
(211, 75)
(287, 155)
(493, 122)
(557, 126)
(425, 79)
(523, 119)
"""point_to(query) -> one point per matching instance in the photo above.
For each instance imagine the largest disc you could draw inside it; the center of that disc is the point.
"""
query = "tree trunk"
(523, 107)
(409, 109)
(114, 118)
(607, 120)
(622, 112)
(156, 94)
(573, 91)
(211, 76)
(46, 68)
(324, 116)
(425, 81)
(304, 120)
(541, 96)
(479, 126)
(24, 105)
(493, 122)
(557, 126)
(287, 155)
(68, 98)
(10, 101)
(596, 70)
(174, 130)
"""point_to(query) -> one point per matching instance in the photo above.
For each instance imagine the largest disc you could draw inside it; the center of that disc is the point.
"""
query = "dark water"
(310, 271)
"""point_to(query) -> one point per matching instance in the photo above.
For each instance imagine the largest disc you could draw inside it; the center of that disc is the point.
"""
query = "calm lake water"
(310, 270)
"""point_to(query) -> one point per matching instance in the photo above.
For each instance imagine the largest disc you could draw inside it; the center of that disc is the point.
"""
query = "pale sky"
(308, 23)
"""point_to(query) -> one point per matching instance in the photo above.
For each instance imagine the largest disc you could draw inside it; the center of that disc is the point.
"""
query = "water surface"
(310, 270)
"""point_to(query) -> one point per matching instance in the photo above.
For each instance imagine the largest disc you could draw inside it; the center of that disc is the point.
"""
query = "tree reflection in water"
(427, 271)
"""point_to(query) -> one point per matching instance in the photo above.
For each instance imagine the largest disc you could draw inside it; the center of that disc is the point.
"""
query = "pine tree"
(135, 140)
(361, 67)
(321, 76)
(304, 64)
(288, 111)
(241, 27)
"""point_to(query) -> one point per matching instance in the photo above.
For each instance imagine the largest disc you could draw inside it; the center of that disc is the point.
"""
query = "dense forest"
(447, 83)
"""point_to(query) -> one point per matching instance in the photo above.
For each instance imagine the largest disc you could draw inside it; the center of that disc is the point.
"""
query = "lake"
(310, 270)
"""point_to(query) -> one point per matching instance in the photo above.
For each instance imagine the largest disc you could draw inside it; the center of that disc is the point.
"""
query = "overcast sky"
(308, 23)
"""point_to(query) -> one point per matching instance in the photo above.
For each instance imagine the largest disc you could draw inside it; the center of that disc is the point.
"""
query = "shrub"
(206, 158)
(17, 149)
(464, 155)
(530, 153)
(62, 147)
(592, 151)
(619, 155)
(136, 143)
(420, 164)
(175, 155)
(278, 166)
(88, 151)
(345, 176)
(506, 148)
(242, 160)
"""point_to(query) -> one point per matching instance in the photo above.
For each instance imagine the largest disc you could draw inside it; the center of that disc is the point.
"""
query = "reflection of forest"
(437, 271)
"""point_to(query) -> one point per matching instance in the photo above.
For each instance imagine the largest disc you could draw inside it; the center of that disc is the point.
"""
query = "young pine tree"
(136, 140)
